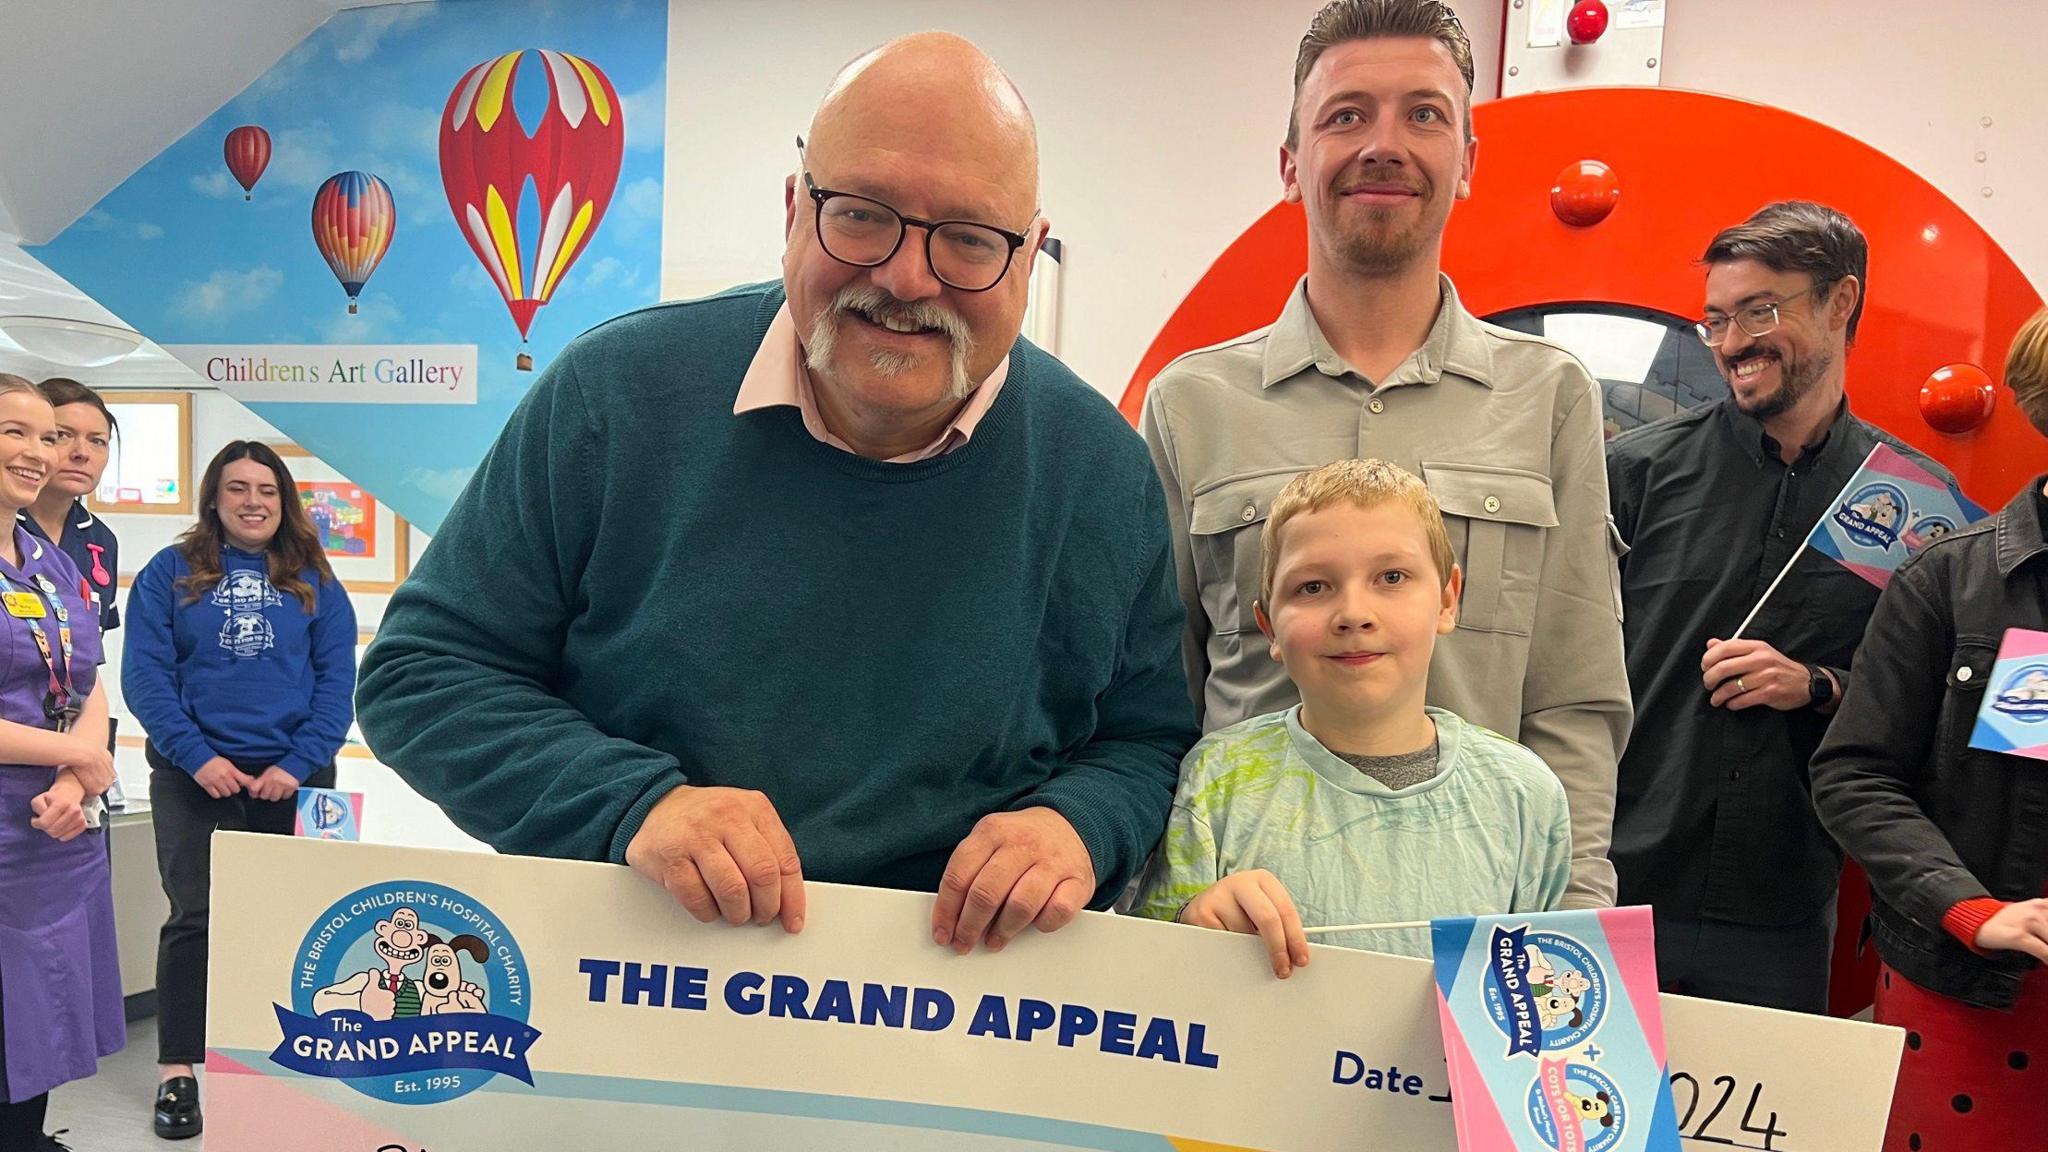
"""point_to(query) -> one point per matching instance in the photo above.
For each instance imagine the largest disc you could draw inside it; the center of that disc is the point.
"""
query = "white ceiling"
(90, 90)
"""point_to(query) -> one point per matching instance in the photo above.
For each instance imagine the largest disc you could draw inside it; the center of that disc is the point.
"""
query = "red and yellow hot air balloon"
(353, 220)
(247, 151)
(572, 159)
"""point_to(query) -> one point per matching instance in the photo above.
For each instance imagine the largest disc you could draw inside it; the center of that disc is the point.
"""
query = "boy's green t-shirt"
(1489, 833)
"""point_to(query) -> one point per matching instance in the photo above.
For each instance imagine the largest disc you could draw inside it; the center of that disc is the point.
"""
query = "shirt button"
(1963, 675)
(1250, 513)
(1376, 406)
(1493, 503)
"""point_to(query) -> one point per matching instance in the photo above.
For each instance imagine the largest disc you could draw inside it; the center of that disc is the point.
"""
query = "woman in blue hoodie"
(240, 663)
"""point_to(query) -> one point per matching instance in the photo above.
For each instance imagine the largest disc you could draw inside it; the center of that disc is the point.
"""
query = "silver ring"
(1740, 687)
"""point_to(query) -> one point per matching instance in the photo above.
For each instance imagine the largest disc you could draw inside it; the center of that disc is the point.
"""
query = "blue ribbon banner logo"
(408, 992)
(1875, 515)
(1507, 970)
(350, 1045)
(1545, 991)
(2024, 695)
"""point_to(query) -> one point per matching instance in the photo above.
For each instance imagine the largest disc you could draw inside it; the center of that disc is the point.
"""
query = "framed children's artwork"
(149, 465)
(366, 542)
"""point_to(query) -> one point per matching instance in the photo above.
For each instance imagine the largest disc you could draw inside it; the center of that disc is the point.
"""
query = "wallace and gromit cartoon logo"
(409, 992)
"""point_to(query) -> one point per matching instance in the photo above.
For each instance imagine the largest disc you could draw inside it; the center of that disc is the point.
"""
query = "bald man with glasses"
(1714, 823)
(832, 578)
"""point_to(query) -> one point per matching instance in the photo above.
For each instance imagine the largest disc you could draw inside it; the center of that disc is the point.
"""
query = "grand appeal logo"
(410, 992)
(2024, 695)
(1874, 515)
(1544, 990)
(1576, 1107)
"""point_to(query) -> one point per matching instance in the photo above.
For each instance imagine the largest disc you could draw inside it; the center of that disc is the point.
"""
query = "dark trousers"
(186, 819)
(1745, 964)
(21, 1124)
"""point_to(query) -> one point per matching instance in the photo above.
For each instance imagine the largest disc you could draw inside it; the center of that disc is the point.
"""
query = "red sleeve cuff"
(1968, 916)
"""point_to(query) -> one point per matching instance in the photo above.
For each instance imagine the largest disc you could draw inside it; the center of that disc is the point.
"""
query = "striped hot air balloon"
(353, 219)
(247, 151)
(572, 158)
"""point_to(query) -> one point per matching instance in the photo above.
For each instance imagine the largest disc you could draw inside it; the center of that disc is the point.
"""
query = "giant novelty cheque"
(373, 999)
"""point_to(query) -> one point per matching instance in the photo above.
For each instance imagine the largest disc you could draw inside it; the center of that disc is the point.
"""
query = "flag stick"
(1737, 634)
(1328, 928)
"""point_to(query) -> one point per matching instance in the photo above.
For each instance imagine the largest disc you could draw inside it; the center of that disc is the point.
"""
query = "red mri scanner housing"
(1941, 306)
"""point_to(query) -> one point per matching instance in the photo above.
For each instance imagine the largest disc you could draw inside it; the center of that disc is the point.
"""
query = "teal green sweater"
(639, 589)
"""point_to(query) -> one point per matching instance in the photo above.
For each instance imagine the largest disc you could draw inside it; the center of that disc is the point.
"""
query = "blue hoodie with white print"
(244, 671)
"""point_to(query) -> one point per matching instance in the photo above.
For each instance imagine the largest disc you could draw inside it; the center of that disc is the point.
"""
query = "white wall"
(1932, 85)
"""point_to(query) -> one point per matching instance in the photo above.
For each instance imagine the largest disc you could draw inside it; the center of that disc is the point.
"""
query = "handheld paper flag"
(325, 814)
(2014, 715)
(1553, 1032)
(1890, 509)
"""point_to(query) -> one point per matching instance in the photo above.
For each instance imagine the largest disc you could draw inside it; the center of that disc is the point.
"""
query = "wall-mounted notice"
(336, 373)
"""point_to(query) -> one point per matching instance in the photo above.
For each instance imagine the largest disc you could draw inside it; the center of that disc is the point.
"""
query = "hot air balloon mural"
(571, 158)
(353, 219)
(247, 151)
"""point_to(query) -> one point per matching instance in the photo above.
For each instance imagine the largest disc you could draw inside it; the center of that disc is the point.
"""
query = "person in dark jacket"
(1954, 838)
(240, 664)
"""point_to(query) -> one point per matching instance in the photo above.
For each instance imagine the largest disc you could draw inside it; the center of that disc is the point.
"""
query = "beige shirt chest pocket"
(1497, 519)
(1225, 521)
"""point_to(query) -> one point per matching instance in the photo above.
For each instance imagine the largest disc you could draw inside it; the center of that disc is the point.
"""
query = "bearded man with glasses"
(835, 577)
(1714, 823)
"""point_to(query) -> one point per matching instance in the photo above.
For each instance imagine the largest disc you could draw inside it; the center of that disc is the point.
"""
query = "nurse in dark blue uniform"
(85, 431)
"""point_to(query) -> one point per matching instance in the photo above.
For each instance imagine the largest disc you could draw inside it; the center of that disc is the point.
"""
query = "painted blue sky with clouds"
(177, 253)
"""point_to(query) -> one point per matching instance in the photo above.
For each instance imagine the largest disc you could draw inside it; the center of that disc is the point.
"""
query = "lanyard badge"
(59, 705)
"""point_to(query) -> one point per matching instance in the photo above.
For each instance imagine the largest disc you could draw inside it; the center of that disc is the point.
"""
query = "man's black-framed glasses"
(856, 230)
(1755, 320)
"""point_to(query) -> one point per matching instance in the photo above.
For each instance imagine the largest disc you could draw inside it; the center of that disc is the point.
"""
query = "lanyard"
(57, 702)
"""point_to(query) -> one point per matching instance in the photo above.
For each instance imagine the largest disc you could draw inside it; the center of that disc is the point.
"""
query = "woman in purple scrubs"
(60, 984)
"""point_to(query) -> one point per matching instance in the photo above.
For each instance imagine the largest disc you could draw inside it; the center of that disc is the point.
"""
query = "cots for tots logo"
(1926, 530)
(1544, 990)
(409, 992)
(2024, 695)
(1576, 1106)
(1874, 515)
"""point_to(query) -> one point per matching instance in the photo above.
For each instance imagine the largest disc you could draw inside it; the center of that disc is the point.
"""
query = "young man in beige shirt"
(1374, 357)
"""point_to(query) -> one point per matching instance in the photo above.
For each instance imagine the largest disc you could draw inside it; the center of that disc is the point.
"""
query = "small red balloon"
(1585, 193)
(1587, 22)
(1957, 398)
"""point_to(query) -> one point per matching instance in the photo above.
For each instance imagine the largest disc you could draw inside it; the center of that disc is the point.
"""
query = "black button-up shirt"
(1714, 813)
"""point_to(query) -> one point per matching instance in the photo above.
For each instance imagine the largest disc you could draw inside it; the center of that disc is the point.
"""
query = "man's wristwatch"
(1820, 685)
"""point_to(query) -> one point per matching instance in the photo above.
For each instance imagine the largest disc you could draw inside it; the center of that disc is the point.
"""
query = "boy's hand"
(1257, 904)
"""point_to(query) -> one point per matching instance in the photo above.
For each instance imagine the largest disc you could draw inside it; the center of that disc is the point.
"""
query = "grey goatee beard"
(879, 305)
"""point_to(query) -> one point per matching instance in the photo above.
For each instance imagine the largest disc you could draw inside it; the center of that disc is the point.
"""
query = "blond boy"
(1359, 805)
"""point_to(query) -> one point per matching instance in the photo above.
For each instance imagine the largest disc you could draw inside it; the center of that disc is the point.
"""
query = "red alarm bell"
(1587, 22)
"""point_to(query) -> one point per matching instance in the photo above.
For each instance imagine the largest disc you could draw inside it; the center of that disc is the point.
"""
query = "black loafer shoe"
(177, 1108)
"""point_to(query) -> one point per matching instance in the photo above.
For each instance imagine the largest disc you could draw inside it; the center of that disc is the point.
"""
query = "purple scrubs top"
(59, 968)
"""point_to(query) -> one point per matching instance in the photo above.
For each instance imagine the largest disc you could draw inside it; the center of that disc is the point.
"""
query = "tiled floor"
(110, 1112)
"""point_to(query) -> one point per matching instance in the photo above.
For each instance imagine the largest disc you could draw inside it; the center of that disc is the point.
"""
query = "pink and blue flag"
(1553, 1032)
(2014, 715)
(1890, 509)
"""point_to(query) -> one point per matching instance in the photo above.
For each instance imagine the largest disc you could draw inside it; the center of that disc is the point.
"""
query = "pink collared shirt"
(777, 376)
